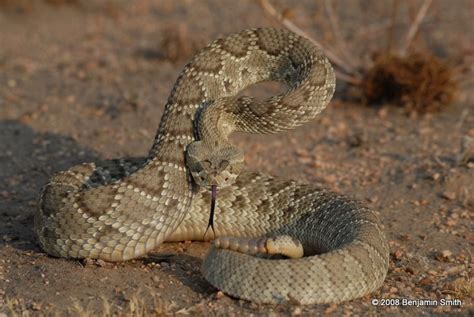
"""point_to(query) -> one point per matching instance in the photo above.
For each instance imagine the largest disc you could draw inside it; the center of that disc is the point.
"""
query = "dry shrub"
(178, 44)
(461, 288)
(419, 81)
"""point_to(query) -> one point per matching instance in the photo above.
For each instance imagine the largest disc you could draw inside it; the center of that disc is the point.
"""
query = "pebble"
(11, 83)
(87, 262)
(36, 306)
(425, 281)
(397, 254)
(448, 195)
(330, 309)
(446, 253)
(383, 112)
(329, 179)
(372, 199)
(297, 311)
(417, 264)
(102, 263)
(451, 222)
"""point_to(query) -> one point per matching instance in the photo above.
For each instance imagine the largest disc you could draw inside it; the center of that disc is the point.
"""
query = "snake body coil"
(121, 209)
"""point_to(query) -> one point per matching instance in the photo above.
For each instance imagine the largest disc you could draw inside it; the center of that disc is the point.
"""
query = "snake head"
(214, 165)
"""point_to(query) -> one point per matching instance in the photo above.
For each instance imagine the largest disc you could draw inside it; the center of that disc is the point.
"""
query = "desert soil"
(84, 81)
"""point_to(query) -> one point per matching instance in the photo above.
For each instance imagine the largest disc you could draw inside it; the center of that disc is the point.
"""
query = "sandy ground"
(83, 82)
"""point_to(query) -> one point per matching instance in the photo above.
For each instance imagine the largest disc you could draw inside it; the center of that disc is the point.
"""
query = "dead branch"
(350, 77)
(414, 27)
(393, 18)
(334, 23)
(356, 81)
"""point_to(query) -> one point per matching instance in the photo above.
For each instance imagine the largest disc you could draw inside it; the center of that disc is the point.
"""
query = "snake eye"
(206, 164)
(223, 164)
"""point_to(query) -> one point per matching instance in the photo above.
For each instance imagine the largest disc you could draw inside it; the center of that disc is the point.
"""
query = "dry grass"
(461, 288)
(135, 306)
(421, 82)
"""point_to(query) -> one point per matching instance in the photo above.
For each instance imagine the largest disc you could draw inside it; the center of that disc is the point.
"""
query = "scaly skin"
(121, 209)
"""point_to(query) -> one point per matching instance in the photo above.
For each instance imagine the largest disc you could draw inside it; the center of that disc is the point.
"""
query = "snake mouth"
(210, 223)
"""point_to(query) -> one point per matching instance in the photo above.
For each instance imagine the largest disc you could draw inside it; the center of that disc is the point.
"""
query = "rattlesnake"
(121, 209)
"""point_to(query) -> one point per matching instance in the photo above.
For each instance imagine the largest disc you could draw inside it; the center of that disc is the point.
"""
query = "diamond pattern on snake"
(275, 240)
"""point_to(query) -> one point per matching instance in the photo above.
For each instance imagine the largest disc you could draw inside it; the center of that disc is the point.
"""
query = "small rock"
(329, 179)
(446, 253)
(425, 281)
(11, 83)
(70, 99)
(330, 309)
(448, 195)
(87, 262)
(451, 222)
(382, 113)
(36, 306)
(444, 256)
(372, 199)
(417, 264)
(397, 255)
(297, 311)
(423, 202)
(220, 294)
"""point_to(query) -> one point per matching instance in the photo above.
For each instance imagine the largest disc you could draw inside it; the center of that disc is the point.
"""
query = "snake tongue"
(213, 207)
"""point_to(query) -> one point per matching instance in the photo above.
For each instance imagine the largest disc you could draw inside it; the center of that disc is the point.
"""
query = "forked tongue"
(213, 207)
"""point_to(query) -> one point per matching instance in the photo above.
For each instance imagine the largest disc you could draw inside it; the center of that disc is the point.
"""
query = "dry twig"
(334, 22)
(393, 19)
(414, 27)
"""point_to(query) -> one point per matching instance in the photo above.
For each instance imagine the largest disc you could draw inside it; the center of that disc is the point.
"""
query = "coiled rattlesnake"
(121, 209)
